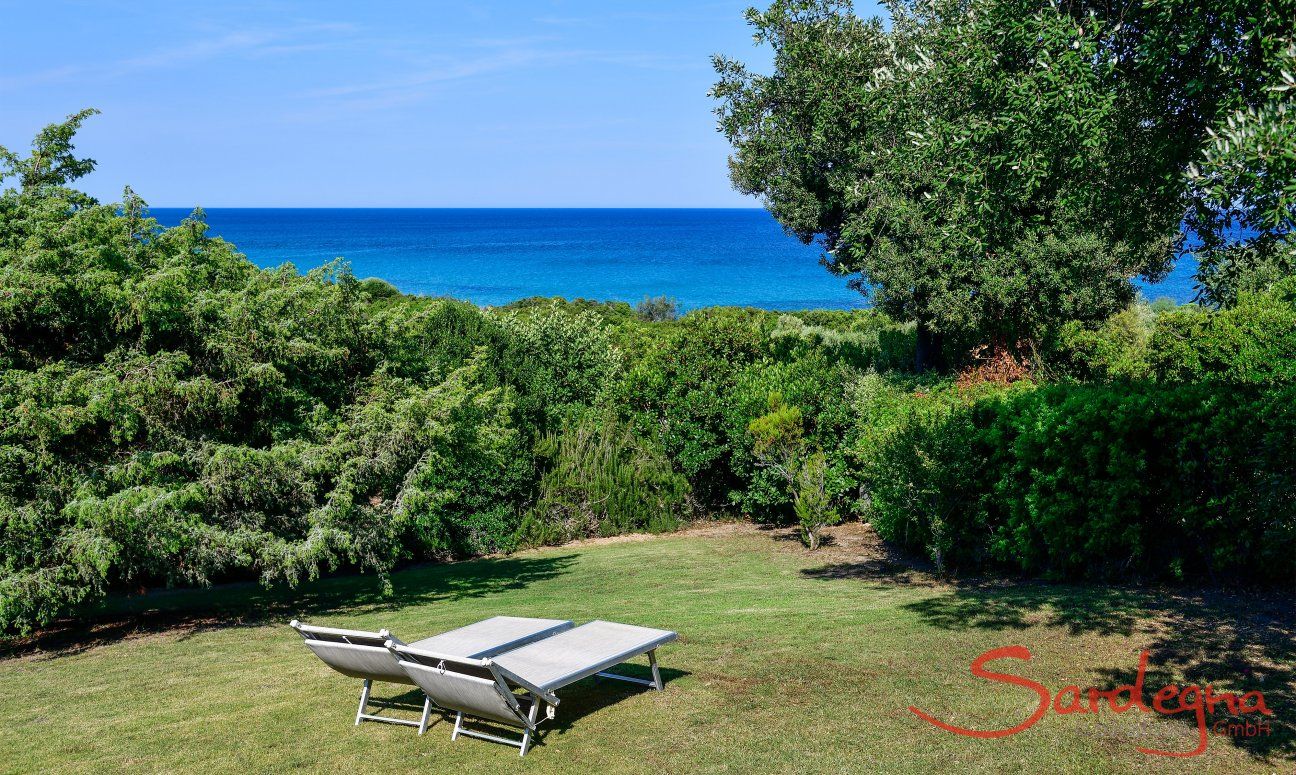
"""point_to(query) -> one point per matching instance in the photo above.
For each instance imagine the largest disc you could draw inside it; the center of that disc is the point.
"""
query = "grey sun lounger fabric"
(362, 654)
(484, 688)
(492, 636)
(471, 687)
(590, 649)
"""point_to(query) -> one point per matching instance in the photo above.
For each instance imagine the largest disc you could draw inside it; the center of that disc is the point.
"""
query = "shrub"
(680, 392)
(777, 437)
(1097, 481)
(1116, 349)
(812, 500)
(1146, 481)
(602, 480)
(557, 359)
(657, 309)
(1253, 342)
(863, 341)
(378, 289)
(926, 484)
(612, 313)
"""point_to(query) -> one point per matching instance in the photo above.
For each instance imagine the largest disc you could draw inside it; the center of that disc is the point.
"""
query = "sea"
(699, 257)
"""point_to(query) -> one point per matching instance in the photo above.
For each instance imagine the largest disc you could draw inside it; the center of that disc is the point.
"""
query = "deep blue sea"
(491, 257)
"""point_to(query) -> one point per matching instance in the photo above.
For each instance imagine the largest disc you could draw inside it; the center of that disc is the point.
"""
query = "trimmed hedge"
(1144, 480)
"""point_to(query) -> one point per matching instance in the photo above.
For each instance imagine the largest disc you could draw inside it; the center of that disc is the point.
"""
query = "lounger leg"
(652, 660)
(364, 700)
(458, 723)
(531, 717)
(427, 711)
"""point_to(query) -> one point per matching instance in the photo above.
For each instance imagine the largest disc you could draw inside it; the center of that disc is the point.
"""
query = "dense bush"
(657, 309)
(923, 478)
(680, 392)
(603, 480)
(864, 340)
(1115, 350)
(1137, 480)
(1252, 342)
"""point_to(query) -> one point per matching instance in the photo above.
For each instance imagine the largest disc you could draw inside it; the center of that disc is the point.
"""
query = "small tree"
(51, 162)
(657, 309)
(811, 500)
(778, 442)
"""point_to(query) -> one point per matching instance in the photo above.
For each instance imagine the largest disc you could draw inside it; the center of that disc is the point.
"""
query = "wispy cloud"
(488, 56)
(246, 43)
(391, 68)
(484, 57)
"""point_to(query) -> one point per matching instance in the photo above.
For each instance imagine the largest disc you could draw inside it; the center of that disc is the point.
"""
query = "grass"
(788, 662)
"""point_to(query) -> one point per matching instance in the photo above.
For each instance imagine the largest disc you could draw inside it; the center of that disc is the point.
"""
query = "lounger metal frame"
(366, 700)
(361, 639)
(414, 660)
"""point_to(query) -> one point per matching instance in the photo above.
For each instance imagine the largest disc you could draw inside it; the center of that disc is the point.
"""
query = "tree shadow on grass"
(993, 605)
(191, 611)
(1238, 641)
(1235, 642)
(878, 561)
(793, 536)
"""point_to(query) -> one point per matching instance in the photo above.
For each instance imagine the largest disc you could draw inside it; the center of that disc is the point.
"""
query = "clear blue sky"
(334, 104)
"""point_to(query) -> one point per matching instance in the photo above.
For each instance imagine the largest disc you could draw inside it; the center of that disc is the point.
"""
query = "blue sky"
(335, 104)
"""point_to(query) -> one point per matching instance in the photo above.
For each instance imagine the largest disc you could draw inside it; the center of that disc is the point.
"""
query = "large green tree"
(989, 168)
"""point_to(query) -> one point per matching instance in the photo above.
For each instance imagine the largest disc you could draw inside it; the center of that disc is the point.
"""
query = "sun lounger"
(364, 655)
(484, 688)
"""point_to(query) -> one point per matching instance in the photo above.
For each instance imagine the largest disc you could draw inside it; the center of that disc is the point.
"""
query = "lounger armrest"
(308, 628)
(389, 638)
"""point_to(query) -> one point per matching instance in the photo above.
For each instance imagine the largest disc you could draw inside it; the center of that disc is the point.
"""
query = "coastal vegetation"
(171, 414)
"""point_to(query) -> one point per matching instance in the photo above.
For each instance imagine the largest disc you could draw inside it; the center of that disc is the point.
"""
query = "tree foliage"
(976, 165)
(994, 169)
(171, 414)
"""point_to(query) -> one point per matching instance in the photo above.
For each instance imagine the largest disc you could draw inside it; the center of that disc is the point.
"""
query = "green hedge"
(1143, 480)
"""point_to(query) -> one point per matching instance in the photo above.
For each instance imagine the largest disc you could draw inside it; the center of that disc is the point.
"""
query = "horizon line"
(447, 207)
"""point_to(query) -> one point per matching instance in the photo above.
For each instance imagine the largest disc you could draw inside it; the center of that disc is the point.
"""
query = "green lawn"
(787, 662)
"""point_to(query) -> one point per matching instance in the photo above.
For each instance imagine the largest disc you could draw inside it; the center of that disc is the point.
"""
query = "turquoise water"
(700, 257)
